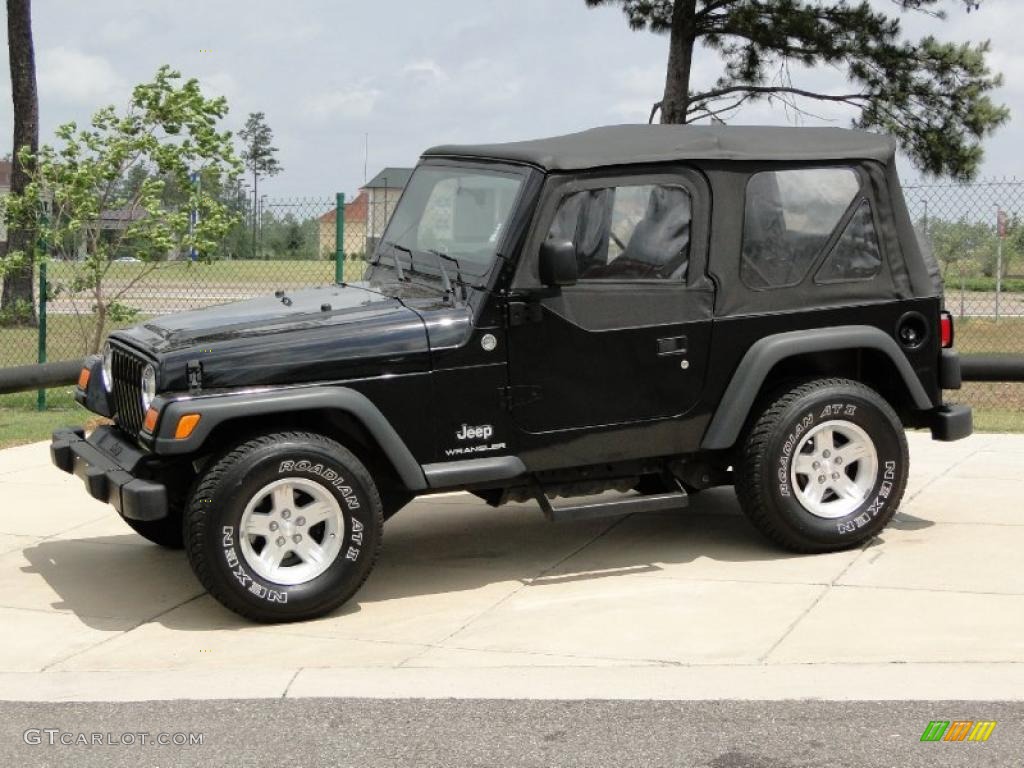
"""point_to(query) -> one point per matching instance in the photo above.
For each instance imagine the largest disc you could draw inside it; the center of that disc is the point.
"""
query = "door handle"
(673, 345)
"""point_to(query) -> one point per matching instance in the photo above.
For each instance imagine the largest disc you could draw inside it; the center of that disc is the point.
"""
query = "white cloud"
(634, 90)
(425, 70)
(326, 73)
(122, 28)
(1011, 65)
(219, 84)
(76, 77)
(346, 102)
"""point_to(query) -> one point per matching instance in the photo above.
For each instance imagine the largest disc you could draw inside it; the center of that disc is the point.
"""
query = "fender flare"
(217, 409)
(763, 355)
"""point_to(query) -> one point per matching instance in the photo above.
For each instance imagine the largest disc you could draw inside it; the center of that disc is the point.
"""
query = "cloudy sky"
(413, 73)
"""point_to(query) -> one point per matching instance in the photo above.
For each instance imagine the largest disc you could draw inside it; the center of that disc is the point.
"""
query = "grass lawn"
(224, 273)
(19, 425)
(998, 420)
(20, 422)
(64, 341)
(986, 335)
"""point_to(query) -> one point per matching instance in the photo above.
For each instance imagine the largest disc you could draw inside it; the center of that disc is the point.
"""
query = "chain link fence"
(976, 232)
(280, 244)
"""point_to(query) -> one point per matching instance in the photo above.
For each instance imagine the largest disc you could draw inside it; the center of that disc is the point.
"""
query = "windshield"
(459, 212)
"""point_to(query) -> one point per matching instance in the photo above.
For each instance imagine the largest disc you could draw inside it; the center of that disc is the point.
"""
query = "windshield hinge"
(519, 394)
(523, 312)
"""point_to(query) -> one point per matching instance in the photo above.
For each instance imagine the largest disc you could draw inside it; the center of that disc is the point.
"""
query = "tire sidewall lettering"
(805, 423)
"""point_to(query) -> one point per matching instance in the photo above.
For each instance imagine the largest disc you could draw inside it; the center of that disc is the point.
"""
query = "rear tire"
(284, 527)
(824, 466)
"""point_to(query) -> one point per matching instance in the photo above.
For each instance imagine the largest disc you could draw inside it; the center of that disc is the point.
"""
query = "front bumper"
(107, 462)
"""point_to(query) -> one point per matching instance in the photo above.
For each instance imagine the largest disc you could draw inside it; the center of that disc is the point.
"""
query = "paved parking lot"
(469, 601)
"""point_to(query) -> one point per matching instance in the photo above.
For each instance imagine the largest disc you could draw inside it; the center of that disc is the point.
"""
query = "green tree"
(17, 306)
(260, 156)
(934, 97)
(963, 248)
(91, 203)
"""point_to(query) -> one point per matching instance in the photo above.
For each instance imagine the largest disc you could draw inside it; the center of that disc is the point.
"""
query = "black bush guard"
(106, 461)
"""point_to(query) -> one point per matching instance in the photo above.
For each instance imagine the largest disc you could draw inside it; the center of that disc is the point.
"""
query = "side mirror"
(558, 263)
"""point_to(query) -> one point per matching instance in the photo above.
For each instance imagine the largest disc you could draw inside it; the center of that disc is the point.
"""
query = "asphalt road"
(367, 733)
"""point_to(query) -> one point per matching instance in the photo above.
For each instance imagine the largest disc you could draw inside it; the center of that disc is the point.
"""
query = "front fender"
(215, 410)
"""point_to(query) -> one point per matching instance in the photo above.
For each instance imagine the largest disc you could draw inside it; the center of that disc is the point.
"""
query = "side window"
(856, 255)
(788, 218)
(636, 232)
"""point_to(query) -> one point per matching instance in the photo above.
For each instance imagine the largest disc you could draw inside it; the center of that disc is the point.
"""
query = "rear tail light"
(946, 329)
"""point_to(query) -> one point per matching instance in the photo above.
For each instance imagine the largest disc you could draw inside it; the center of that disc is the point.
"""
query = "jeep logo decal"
(482, 432)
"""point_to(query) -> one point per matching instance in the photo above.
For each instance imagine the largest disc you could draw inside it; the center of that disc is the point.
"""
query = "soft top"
(630, 144)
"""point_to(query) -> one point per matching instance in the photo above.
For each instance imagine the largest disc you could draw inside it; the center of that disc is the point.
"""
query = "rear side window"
(789, 217)
(633, 232)
(856, 255)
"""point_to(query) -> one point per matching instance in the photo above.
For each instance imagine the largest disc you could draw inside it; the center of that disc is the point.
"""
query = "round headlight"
(148, 386)
(108, 367)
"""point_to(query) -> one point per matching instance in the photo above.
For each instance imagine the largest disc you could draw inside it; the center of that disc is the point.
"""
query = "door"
(629, 341)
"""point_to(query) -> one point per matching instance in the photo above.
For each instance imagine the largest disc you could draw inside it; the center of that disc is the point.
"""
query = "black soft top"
(631, 144)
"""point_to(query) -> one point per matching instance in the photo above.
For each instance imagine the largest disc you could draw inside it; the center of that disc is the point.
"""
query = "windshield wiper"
(444, 274)
(395, 248)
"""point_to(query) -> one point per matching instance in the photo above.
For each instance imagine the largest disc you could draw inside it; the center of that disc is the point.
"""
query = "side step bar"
(660, 502)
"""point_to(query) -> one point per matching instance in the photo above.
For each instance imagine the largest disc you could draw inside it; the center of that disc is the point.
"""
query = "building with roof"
(383, 191)
(355, 228)
(367, 216)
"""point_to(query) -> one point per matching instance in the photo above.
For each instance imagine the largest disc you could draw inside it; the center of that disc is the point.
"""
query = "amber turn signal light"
(149, 423)
(186, 425)
(83, 378)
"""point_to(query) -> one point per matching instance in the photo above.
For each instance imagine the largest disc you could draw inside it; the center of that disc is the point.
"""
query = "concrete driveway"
(468, 601)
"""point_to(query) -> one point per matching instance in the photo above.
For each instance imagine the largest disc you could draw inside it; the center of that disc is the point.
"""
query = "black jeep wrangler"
(648, 310)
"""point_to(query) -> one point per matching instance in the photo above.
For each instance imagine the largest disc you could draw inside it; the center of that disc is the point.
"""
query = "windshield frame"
(476, 274)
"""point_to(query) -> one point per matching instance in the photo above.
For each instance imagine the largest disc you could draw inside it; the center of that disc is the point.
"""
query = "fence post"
(41, 355)
(1000, 234)
(339, 238)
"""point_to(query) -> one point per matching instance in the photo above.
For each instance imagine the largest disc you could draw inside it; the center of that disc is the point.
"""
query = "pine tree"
(934, 97)
(259, 156)
(18, 307)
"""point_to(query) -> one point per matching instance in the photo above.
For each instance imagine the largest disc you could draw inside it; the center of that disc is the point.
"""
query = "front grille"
(127, 371)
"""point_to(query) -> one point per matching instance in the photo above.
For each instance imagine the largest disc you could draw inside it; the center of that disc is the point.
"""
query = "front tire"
(284, 527)
(167, 532)
(824, 466)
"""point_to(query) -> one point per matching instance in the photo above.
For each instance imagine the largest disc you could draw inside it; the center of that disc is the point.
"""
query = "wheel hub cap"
(291, 531)
(834, 469)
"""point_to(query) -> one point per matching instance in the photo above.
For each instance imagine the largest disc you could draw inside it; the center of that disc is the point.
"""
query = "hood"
(315, 334)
